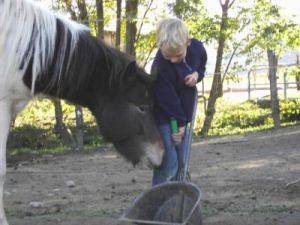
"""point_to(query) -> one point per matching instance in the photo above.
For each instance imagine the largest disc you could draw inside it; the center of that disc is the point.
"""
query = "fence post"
(249, 84)
(285, 83)
(254, 77)
(298, 74)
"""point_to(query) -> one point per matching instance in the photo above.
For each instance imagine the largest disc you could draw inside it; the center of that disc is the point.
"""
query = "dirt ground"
(246, 179)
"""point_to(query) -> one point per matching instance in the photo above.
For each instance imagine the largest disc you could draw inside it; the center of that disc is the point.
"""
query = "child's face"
(176, 55)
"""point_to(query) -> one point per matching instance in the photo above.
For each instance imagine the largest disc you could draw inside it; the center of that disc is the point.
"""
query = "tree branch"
(142, 23)
(229, 62)
(148, 56)
(230, 4)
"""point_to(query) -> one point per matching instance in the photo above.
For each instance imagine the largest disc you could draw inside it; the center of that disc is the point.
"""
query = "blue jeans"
(174, 158)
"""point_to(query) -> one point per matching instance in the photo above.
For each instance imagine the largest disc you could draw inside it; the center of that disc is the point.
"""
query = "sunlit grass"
(240, 118)
(33, 129)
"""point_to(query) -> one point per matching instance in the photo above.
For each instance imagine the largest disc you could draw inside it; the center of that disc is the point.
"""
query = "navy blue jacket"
(172, 98)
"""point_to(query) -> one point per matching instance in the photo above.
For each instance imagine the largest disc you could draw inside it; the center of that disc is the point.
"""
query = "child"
(180, 64)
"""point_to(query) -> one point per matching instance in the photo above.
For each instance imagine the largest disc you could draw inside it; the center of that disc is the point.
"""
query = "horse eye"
(143, 108)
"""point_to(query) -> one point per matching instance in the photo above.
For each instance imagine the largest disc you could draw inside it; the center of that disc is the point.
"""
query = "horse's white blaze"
(154, 154)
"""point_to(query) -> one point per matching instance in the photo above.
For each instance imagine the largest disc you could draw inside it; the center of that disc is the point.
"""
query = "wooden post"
(298, 73)
(249, 84)
(79, 128)
(285, 85)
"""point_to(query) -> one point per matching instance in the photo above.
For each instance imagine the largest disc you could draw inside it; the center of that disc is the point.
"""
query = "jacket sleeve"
(202, 60)
(166, 96)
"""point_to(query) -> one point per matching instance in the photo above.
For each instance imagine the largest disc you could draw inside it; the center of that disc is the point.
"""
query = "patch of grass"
(93, 213)
(247, 117)
(212, 211)
(209, 211)
(272, 209)
(28, 151)
(33, 131)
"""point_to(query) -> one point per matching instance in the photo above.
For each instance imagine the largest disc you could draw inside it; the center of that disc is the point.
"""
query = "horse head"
(125, 117)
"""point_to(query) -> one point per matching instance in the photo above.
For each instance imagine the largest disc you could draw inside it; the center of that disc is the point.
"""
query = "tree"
(118, 23)
(82, 10)
(273, 35)
(145, 43)
(273, 63)
(82, 16)
(60, 127)
(100, 18)
(131, 30)
(221, 31)
(216, 88)
(236, 36)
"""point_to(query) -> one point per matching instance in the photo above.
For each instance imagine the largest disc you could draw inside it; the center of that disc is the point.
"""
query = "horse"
(43, 53)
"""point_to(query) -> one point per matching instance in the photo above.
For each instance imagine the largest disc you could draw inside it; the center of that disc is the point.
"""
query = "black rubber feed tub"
(171, 203)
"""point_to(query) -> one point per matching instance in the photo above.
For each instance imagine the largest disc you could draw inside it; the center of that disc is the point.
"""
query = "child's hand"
(177, 137)
(191, 79)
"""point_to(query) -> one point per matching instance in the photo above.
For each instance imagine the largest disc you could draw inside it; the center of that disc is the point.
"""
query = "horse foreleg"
(5, 119)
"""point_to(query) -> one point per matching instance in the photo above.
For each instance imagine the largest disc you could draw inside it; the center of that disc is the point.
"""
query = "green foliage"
(289, 110)
(242, 116)
(144, 47)
(34, 128)
(33, 131)
(293, 71)
(185, 8)
(31, 136)
(248, 116)
(275, 31)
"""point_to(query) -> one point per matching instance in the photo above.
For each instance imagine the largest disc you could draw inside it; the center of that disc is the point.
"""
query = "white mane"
(28, 31)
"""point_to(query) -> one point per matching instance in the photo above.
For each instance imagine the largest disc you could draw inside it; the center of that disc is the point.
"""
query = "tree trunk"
(118, 24)
(70, 9)
(217, 87)
(60, 127)
(100, 19)
(273, 62)
(131, 30)
(83, 14)
(298, 73)
(79, 127)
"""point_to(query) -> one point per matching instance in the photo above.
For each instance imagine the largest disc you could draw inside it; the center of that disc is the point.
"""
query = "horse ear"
(130, 73)
(120, 79)
(146, 78)
(133, 71)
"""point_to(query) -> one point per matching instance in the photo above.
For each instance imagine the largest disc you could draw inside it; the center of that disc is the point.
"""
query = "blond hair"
(171, 33)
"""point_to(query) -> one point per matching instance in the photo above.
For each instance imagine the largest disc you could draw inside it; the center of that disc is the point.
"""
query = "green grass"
(33, 129)
(268, 209)
(272, 209)
(239, 118)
